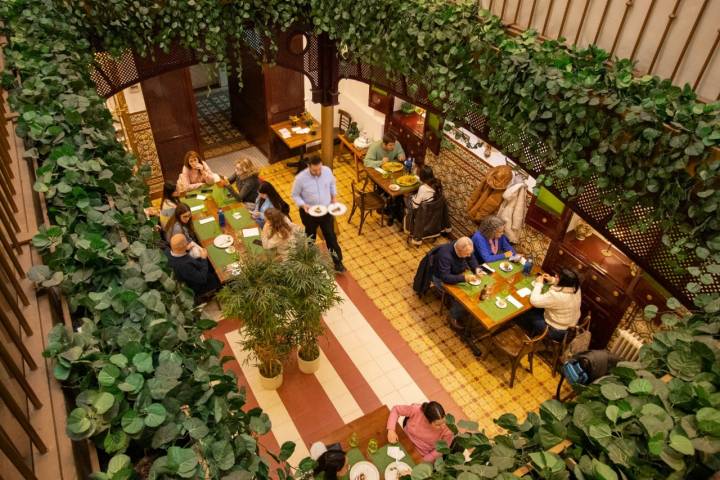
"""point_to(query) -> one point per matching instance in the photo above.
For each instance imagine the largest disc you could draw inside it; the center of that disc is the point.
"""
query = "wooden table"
(357, 153)
(501, 284)
(372, 425)
(384, 182)
(298, 140)
(211, 210)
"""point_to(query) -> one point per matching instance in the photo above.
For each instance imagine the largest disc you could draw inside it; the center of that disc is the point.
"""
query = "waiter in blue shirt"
(316, 186)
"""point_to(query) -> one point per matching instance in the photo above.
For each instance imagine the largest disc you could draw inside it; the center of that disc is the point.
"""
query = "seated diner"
(490, 242)
(278, 233)
(181, 223)
(386, 150)
(196, 273)
(267, 198)
(424, 425)
(195, 174)
(558, 308)
(245, 181)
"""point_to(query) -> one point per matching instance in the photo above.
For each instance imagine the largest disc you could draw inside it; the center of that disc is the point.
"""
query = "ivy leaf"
(103, 402)
(684, 365)
(611, 412)
(143, 362)
(602, 471)
(681, 444)
(260, 424)
(196, 427)
(108, 375)
(132, 383)
(155, 415)
(182, 461)
(613, 391)
(553, 410)
(422, 471)
(131, 422)
(115, 440)
(708, 420)
(640, 386)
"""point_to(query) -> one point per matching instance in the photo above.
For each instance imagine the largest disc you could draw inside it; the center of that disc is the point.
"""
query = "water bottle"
(408, 165)
(221, 217)
(527, 268)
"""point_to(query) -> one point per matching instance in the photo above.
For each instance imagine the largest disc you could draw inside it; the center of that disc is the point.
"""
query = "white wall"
(354, 100)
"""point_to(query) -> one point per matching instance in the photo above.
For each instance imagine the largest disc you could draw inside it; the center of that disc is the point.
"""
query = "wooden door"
(170, 104)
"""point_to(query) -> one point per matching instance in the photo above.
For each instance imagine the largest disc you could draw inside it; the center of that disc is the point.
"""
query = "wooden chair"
(344, 120)
(516, 344)
(367, 202)
(557, 348)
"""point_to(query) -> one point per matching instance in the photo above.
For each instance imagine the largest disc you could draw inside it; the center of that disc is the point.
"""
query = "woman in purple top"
(489, 242)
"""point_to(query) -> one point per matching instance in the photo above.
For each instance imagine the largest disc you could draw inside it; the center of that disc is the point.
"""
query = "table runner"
(496, 265)
(380, 459)
(474, 290)
(207, 230)
(220, 258)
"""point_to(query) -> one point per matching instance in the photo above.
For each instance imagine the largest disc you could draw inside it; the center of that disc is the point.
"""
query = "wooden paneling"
(170, 103)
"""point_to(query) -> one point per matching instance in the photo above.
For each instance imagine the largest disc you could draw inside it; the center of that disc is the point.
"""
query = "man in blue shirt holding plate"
(315, 186)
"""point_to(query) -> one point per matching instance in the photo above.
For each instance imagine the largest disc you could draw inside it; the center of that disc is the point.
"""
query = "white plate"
(391, 472)
(364, 467)
(318, 210)
(477, 281)
(223, 241)
(500, 303)
(333, 206)
(360, 143)
(394, 187)
(230, 250)
(506, 268)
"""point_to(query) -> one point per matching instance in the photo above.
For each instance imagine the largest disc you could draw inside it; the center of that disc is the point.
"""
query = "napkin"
(380, 170)
(237, 215)
(197, 208)
(488, 268)
(201, 197)
(514, 301)
(206, 220)
(524, 292)
(251, 232)
(395, 452)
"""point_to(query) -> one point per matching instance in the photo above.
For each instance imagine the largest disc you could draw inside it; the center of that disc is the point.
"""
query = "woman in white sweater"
(278, 233)
(558, 308)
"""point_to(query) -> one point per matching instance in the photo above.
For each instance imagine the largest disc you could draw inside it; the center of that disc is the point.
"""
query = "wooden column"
(326, 127)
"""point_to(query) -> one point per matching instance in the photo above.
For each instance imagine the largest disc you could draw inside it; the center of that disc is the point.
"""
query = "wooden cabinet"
(380, 100)
(409, 130)
(548, 214)
(605, 280)
(648, 292)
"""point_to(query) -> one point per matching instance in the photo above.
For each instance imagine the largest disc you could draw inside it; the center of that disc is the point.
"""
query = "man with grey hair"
(454, 262)
(490, 242)
(196, 273)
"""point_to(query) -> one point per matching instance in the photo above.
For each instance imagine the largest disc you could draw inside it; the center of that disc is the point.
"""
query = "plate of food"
(506, 266)
(392, 166)
(318, 210)
(223, 241)
(394, 187)
(364, 470)
(396, 470)
(230, 250)
(407, 180)
(336, 209)
(361, 142)
(500, 303)
(475, 281)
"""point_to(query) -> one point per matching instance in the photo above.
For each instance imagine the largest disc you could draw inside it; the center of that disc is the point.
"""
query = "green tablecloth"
(474, 290)
(221, 196)
(380, 459)
(207, 230)
(220, 258)
(497, 314)
(496, 265)
(527, 282)
(237, 224)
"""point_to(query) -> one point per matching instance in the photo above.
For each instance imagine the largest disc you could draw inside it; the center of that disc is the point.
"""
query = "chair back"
(531, 343)
(344, 119)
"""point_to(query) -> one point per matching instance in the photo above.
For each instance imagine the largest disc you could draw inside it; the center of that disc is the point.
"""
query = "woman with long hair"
(278, 232)
(195, 173)
(181, 222)
(331, 461)
(168, 204)
(430, 189)
(424, 424)
(268, 197)
(246, 181)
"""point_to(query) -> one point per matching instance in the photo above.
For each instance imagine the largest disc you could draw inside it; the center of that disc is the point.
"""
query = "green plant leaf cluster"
(146, 385)
(280, 303)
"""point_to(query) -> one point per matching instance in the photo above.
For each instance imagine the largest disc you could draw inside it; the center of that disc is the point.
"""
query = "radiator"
(626, 345)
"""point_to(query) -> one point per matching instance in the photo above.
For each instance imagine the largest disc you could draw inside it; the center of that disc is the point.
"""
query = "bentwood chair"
(367, 202)
(516, 344)
(344, 120)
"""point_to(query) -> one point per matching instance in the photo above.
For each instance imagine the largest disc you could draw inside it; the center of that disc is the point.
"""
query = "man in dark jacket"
(451, 265)
(196, 273)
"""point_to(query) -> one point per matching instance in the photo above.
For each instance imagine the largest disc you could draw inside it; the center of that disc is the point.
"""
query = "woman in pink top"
(195, 173)
(424, 425)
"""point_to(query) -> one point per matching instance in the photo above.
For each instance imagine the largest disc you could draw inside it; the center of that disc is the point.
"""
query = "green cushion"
(548, 201)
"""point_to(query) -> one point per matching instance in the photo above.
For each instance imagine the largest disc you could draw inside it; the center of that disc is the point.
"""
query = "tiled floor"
(383, 264)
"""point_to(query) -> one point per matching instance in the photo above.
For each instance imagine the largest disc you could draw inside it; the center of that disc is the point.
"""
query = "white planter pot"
(308, 367)
(271, 383)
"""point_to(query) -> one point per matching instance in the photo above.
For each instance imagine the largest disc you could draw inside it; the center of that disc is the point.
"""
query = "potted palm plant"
(311, 281)
(259, 298)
